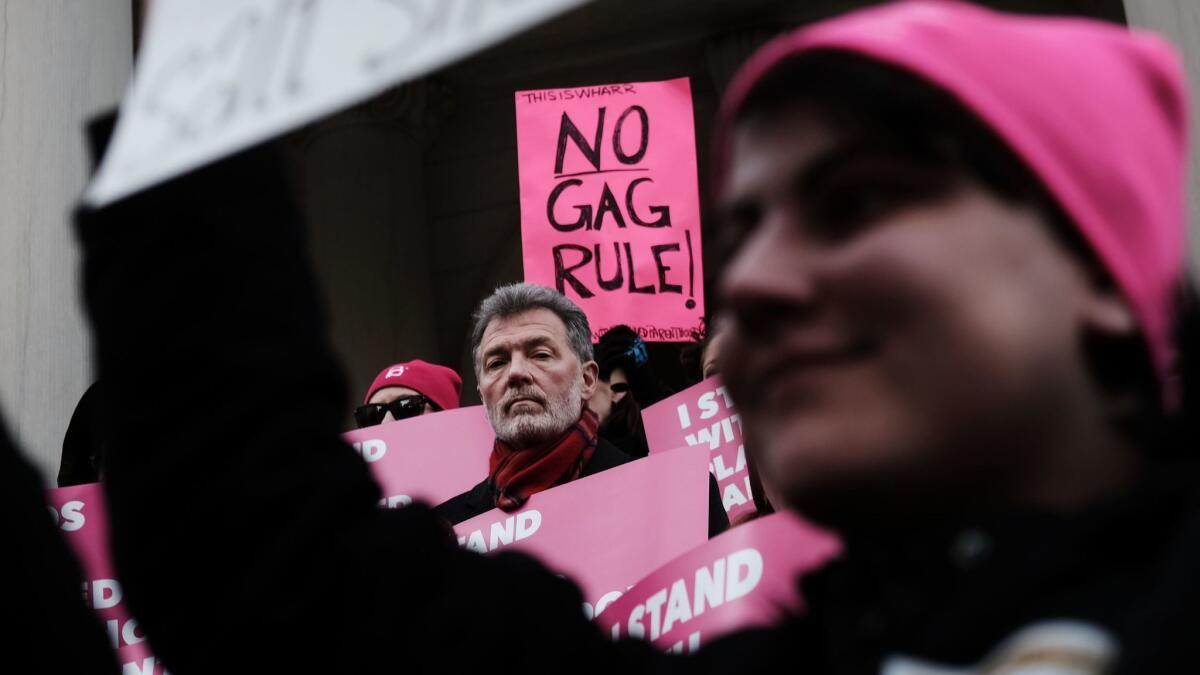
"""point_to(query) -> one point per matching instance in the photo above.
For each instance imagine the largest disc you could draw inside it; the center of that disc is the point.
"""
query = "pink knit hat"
(439, 384)
(1098, 112)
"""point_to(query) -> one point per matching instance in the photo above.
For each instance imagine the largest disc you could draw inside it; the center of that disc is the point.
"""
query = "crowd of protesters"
(956, 327)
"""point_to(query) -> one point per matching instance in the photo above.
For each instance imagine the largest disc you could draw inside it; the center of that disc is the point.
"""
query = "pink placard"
(704, 415)
(608, 530)
(745, 577)
(82, 517)
(609, 203)
(429, 458)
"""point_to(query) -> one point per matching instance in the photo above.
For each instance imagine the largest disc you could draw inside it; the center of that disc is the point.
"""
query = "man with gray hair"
(534, 365)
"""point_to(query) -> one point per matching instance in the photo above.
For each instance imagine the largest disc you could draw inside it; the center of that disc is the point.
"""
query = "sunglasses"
(402, 408)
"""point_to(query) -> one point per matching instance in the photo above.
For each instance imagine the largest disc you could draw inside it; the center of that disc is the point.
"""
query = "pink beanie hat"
(1096, 111)
(439, 384)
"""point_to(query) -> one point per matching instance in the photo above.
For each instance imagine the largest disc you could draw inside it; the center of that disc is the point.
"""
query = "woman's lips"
(791, 370)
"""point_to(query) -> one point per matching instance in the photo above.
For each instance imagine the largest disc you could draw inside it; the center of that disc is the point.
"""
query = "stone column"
(1179, 21)
(361, 179)
(61, 61)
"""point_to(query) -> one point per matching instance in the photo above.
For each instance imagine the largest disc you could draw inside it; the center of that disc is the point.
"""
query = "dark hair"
(620, 347)
(83, 444)
(932, 125)
(624, 426)
(691, 356)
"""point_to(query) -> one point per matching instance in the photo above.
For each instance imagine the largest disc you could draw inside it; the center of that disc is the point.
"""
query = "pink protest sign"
(745, 577)
(610, 210)
(704, 415)
(608, 530)
(82, 518)
(430, 458)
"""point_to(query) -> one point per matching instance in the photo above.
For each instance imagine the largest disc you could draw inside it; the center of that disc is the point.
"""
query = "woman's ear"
(1108, 312)
(1119, 362)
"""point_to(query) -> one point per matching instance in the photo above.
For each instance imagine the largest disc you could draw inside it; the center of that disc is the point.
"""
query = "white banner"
(216, 76)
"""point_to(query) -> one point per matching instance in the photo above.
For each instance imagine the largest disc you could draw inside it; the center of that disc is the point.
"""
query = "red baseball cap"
(437, 383)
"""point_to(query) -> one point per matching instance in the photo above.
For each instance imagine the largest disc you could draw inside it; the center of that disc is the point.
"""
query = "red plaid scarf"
(516, 474)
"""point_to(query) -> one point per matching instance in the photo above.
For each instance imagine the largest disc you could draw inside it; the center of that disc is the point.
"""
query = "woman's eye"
(853, 205)
(735, 228)
(844, 207)
(868, 191)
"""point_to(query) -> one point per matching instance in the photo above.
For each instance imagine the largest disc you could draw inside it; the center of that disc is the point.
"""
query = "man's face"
(898, 334)
(531, 382)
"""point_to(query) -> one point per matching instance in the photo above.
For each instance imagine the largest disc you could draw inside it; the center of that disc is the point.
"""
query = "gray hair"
(522, 297)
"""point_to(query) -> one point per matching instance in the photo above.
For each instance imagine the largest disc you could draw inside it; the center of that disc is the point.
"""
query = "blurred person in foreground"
(83, 445)
(959, 236)
(408, 389)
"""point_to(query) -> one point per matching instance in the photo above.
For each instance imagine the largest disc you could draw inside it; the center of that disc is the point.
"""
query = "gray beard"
(523, 430)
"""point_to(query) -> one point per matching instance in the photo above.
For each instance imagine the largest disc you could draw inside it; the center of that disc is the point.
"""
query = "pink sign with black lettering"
(608, 530)
(745, 577)
(82, 518)
(429, 458)
(610, 208)
(704, 415)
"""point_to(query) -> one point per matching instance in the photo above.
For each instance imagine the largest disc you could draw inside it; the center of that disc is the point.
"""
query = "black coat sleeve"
(48, 628)
(718, 519)
(245, 531)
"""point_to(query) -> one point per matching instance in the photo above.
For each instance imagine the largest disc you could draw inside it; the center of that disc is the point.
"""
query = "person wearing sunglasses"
(410, 389)
(626, 384)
